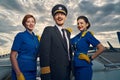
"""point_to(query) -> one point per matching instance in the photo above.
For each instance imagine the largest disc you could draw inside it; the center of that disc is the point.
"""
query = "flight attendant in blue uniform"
(81, 43)
(23, 54)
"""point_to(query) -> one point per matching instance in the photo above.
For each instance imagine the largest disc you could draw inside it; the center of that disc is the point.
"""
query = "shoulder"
(48, 28)
(20, 34)
(75, 37)
(68, 30)
(90, 32)
(87, 33)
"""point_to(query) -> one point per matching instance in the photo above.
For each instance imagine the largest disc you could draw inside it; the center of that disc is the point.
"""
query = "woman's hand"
(20, 76)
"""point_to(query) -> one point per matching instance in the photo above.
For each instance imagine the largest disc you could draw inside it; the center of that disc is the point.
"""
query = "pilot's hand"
(20, 77)
(84, 57)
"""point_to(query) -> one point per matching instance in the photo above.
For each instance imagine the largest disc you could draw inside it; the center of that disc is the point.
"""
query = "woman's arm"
(14, 62)
(100, 49)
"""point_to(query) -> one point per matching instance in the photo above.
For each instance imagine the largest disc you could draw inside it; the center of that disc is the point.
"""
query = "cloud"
(11, 5)
(2, 42)
(117, 8)
(9, 22)
(88, 7)
(5, 24)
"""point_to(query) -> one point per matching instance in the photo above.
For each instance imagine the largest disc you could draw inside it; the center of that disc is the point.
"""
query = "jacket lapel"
(60, 36)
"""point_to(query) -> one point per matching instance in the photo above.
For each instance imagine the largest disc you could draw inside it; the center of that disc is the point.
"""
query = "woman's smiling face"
(82, 25)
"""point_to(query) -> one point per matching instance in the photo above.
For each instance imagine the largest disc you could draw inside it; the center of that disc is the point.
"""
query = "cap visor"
(60, 11)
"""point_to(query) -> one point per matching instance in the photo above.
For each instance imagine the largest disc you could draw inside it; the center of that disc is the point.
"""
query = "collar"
(29, 33)
(60, 27)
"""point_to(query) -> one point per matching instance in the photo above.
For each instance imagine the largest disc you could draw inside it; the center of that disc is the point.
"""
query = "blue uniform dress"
(80, 43)
(26, 45)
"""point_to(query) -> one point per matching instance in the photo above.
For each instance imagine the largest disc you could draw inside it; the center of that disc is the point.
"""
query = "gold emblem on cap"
(60, 8)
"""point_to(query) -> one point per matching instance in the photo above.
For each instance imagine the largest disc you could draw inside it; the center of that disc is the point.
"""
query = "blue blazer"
(82, 46)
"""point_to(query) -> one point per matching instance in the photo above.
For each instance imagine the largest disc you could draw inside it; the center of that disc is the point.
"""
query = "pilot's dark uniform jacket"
(54, 60)
(26, 45)
(54, 56)
(82, 63)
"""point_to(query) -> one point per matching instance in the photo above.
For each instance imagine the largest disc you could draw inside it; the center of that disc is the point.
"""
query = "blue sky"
(104, 16)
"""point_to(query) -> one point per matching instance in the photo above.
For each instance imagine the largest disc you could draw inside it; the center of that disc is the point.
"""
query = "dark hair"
(85, 19)
(26, 17)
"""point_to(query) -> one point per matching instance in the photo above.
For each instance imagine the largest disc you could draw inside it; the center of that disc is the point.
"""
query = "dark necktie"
(64, 38)
(65, 42)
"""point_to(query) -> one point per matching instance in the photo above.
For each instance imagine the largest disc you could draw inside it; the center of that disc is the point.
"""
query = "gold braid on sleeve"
(45, 70)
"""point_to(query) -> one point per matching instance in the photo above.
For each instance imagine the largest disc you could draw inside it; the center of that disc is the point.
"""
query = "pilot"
(55, 56)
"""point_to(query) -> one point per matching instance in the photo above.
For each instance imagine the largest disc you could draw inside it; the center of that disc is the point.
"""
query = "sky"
(104, 16)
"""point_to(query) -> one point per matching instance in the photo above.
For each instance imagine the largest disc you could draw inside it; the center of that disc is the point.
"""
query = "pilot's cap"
(59, 8)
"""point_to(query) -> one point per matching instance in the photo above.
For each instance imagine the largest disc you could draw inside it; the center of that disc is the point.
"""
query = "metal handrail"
(5, 65)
